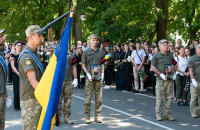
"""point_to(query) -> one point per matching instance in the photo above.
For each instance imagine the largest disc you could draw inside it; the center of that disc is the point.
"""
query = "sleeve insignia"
(28, 62)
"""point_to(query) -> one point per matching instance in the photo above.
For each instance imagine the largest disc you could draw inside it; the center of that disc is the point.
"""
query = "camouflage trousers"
(2, 110)
(164, 90)
(89, 87)
(67, 91)
(195, 95)
(30, 112)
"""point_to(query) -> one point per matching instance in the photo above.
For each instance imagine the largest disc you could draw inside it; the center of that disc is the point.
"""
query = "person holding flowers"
(109, 56)
(138, 59)
(118, 67)
(126, 59)
(80, 72)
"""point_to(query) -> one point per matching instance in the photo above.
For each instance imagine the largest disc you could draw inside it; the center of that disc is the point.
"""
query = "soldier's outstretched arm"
(102, 68)
(191, 73)
(32, 78)
(84, 68)
(154, 69)
(74, 72)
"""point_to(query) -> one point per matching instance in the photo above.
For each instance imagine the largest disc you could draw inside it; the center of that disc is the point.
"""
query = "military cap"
(197, 46)
(3, 31)
(162, 41)
(93, 36)
(32, 30)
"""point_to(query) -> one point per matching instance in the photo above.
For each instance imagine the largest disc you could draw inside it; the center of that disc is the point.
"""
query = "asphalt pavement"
(121, 110)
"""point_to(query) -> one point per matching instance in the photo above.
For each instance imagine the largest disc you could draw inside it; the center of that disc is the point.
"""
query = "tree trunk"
(162, 15)
(58, 31)
(77, 27)
(151, 36)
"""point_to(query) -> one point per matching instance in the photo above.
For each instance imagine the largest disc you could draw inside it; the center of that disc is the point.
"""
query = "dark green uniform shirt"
(71, 61)
(2, 76)
(159, 60)
(194, 62)
(91, 57)
(27, 63)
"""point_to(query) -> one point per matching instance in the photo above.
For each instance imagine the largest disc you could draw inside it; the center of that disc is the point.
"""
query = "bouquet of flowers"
(82, 74)
(141, 74)
(129, 59)
(48, 55)
(187, 84)
(117, 65)
(108, 57)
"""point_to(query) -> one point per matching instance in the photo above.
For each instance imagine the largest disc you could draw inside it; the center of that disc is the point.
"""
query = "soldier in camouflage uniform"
(93, 56)
(31, 71)
(67, 89)
(2, 83)
(194, 70)
(164, 87)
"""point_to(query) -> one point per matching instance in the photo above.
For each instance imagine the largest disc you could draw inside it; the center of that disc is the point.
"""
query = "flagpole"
(71, 8)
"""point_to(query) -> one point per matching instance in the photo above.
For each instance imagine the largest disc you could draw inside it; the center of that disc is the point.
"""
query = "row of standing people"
(126, 58)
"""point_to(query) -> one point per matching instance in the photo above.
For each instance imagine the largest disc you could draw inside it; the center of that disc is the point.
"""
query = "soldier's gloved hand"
(174, 77)
(89, 77)
(163, 76)
(194, 83)
(102, 76)
(75, 83)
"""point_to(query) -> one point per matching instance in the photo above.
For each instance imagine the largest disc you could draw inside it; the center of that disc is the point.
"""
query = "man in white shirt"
(84, 47)
(138, 59)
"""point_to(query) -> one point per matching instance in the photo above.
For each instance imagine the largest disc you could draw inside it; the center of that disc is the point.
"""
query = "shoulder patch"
(28, 62)
(26, 58)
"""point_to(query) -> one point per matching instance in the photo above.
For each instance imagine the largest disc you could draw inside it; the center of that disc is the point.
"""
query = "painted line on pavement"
(145, 95)
(133, 116)
(154, 97)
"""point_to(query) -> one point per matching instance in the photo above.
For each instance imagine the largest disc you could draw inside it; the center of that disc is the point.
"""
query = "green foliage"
(185, 18)
(39, 12)
(118, 20)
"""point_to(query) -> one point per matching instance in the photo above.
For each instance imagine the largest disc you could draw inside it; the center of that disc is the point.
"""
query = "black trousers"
(108, 74)
(16, 91)
(127, 83)
(153, 81)
(10, 73)
(81, 81)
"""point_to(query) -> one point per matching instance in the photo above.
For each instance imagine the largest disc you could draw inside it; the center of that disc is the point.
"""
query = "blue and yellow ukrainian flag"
(50, 86)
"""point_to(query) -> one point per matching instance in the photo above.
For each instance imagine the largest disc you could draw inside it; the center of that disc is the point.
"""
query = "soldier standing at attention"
(93, 56)
(67, 89)
(164, 87)
(3, 78)
(194, 70)
(31, 70)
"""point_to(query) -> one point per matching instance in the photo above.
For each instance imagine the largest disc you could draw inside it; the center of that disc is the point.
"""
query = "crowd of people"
(131, 67)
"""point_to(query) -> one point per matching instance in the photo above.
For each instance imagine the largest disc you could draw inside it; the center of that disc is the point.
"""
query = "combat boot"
(169, 117)
(194, 115)
(158, 118)
(68, 121)
(87, 119)
(98, 119)
(55, 121)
